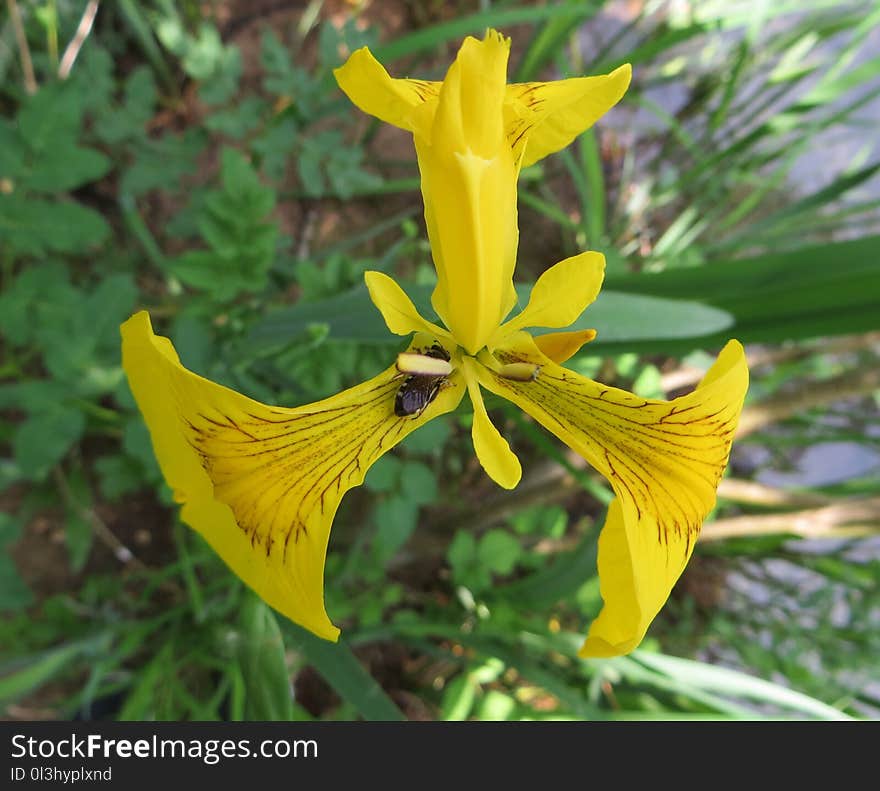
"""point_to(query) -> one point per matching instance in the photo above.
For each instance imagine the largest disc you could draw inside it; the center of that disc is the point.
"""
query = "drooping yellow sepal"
(663, 459)
(544, 117)
(261, 483)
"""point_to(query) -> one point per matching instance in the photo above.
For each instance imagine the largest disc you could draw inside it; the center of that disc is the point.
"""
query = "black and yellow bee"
(418, 390)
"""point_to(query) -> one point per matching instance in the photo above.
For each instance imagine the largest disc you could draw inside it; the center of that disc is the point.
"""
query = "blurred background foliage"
(197, 159)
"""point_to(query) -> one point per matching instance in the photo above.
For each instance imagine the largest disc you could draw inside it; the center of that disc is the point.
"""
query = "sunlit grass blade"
(724, 681)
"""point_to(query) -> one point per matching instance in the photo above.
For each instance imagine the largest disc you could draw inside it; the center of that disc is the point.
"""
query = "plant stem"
(79, 38)
(24, 53)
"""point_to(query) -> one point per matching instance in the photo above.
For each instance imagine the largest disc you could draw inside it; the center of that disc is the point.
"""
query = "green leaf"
(419, 483)
(462, 552)
(33, 226)
(163, 162)
(65, 167)
(80, 534)
(724, 681)
(240, 119)
(342, 670)
(555, 581)
(14, 592)
(430, 37)
(261, 655)
(396, 518)
(43, 439)
(28, 673)
(499, 551)
(51, 117)
(827, 289)
(384, 475)
(129, 120)
(12, 152)
(467, 570)
(117, 476)
(618, 317)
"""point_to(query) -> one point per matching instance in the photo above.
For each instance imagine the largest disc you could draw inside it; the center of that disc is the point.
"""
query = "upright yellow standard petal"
(544, 117)
(662, 458)
(469, 190)
(472, 133)
(261, 483)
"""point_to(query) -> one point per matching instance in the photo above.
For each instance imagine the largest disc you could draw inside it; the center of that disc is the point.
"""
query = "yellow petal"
(545, 117)
(470, 110)
(560, 346)
(468, 179)
(397, 308)
(261, 483)
(397, 102)
(662, 458)
(560, 295)
(495, 455)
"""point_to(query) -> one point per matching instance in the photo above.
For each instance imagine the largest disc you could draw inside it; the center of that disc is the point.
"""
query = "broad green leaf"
(828, 289)
(618, 317)
(342, 670)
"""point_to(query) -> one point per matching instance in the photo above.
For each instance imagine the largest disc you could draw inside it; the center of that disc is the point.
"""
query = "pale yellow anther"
(519, 372)
(423, 365)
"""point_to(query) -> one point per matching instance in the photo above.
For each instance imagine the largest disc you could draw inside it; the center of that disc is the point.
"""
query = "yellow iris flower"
(262, 483)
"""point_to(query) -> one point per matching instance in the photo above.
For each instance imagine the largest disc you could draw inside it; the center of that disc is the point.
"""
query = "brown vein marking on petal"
(273, 470)
(647, 449)
(424, 89)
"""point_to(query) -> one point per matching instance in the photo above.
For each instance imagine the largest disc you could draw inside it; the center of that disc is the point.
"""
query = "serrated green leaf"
(51, 117)
(65, 167)
(34, 226)
(43, 439)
